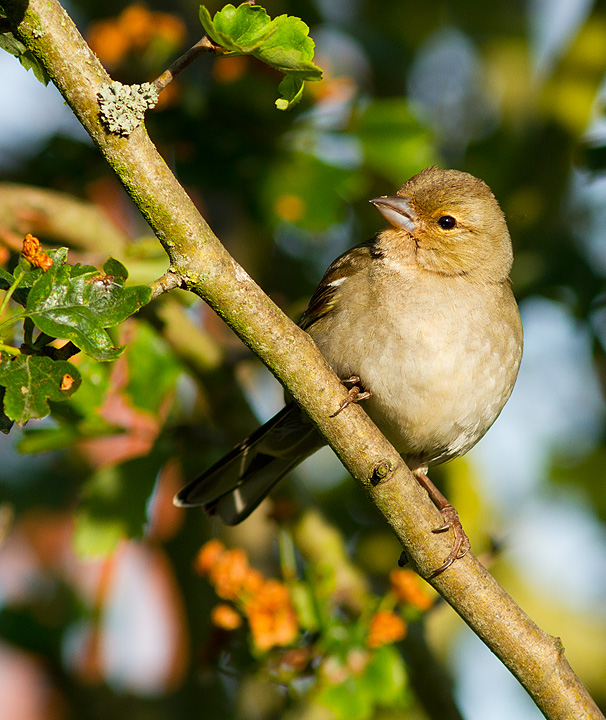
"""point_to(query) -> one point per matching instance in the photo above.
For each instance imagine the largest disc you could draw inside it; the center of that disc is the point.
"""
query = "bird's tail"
(234, 486)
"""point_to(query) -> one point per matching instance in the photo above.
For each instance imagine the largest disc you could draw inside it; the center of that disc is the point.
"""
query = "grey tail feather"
(235, 485)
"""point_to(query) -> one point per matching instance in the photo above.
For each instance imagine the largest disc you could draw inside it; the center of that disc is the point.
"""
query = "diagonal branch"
(205, 267)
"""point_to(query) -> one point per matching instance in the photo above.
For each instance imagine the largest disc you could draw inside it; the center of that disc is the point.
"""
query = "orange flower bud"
(208, 556)
(225, 617)
(32, 252)
(385, 627)
(409, 588)
(253, 582)
(228, 574)
(271, 616)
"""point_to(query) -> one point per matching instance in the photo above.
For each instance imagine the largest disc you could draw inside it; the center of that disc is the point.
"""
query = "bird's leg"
(451, 520)
(356, 394)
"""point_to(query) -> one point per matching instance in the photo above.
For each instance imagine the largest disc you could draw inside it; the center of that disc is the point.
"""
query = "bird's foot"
(356, 394)
(461, 543)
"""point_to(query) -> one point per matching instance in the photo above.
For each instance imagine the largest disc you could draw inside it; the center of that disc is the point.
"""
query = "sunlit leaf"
(31, 381)
(282, 43)
(78, 302)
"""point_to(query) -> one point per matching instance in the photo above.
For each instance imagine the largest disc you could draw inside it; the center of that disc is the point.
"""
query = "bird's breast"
(440, 359)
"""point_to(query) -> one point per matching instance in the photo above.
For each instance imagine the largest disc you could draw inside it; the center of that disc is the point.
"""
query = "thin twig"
(168, 281)
(202, 46)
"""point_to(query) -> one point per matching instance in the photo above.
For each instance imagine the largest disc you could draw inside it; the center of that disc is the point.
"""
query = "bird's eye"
(447, 222)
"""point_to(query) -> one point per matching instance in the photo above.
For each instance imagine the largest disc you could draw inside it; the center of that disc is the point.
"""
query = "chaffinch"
(423, 322)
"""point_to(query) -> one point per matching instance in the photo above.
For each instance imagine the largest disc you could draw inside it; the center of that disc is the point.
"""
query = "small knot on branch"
(381, 472)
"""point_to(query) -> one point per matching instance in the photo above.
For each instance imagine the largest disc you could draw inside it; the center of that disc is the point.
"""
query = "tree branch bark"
(205, 267)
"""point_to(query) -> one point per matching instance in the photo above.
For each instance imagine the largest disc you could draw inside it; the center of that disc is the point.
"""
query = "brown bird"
(421, 320)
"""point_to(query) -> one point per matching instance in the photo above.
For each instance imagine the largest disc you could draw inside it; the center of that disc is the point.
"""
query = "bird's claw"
(461, 544)
(356, 394)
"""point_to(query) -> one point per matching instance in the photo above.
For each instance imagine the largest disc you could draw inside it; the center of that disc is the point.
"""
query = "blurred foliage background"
(103, 607)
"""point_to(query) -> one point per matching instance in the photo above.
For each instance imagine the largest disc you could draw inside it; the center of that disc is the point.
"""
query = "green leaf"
(78, 302)
(31, 381)
(350, 700)
(149, 356)
(114, 268)
(114, 503)
(291, 89)
(386, 677)
(289, 49)
(29, 61)
(79, 417)
(240, 30)
(10, 43)
(5, 422)
(282, 43)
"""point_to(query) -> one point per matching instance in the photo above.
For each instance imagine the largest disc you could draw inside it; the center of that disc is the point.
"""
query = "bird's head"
(450, 223)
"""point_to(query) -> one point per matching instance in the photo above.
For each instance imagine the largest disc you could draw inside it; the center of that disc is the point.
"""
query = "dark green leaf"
(6, 279)
(10, 43)
(13, 46)
(31, 62)
(77, 302)
(5, 422)
(31, 381)
(115, 269)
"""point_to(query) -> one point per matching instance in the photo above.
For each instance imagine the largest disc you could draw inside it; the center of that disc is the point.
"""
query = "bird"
(421, 322)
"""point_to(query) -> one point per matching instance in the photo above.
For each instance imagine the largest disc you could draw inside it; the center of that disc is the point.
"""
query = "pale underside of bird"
(423, 320)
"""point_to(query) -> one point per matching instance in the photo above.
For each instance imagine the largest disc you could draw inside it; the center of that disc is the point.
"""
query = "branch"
(206, 268)
(202, 46)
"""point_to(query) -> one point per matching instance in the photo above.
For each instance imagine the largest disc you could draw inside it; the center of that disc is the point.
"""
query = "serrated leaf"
(289, 49)
(31, 381)
(240, 30)
(77, 303)
(282, 43)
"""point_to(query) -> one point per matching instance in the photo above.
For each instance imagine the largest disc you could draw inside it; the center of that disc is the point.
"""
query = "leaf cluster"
(282, 43)
(76, 303)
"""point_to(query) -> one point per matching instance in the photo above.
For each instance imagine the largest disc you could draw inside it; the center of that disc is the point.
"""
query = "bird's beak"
(397, 210)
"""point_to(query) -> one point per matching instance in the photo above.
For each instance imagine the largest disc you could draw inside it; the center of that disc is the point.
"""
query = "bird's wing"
(235, 485)
(349, 263)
